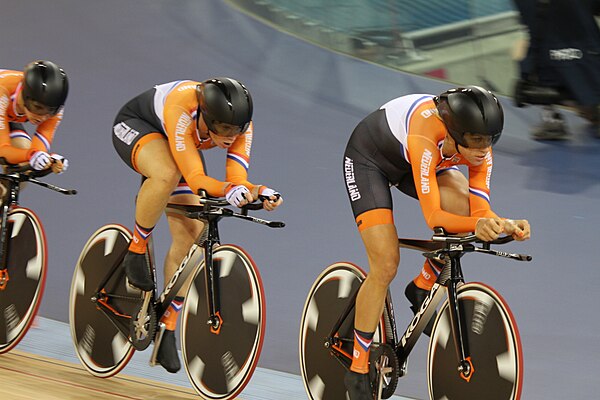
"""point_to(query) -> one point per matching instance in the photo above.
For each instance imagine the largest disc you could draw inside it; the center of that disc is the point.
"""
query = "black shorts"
(131, 132)
(372, 164)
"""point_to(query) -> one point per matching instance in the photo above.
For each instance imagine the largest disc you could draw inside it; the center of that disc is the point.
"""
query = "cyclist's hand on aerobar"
(519, 229)
(40, 160)
(239, 196)
(274, 198)
(59, 163)
(488, 229)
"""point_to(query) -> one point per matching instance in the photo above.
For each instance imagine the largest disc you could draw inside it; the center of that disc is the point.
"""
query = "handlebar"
(219, 207)
(25, 173)
(468, 239)
(442, 244)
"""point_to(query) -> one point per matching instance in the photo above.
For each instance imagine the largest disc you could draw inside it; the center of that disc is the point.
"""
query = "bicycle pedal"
(157, 340)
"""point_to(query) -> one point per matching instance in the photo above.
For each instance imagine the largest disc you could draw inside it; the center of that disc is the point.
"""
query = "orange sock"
(360, 353)
(169, 318)
(428, 275)
(140, 239)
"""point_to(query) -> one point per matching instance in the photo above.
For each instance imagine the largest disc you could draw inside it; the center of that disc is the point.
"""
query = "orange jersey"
(414, 122)
(10, 87)
(175, 106)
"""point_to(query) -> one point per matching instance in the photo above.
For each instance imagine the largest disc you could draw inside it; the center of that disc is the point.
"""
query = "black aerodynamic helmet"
(471, 109)
(45, 87)
(225, 101)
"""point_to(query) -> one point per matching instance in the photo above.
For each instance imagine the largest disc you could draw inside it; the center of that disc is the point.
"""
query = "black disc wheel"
(100, 316)
(323, 366)
(220, 358)
(24, 277)
(495, 366)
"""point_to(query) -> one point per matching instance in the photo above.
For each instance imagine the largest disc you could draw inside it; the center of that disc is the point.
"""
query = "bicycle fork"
(457, 322)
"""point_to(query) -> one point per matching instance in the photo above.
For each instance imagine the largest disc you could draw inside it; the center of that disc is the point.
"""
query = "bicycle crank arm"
(157, 340)
(141, 317)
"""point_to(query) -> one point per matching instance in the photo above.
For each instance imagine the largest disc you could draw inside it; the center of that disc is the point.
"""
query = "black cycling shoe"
(358, 385)
(416, 296)
(167, 353)
(137, 271)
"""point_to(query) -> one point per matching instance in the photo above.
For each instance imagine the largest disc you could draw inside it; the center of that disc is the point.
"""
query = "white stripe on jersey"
(162, 91)
(398, 113)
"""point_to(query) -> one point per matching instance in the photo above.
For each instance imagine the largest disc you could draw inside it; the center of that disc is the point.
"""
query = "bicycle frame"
(203, 246)
(450, 279)
(185, 269)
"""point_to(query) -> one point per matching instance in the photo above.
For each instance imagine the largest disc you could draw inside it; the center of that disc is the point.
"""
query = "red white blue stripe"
(142, 232)
(239, 159)
(480, 193)
(19, 134)
(43, 140)
(364, 343)
(182, 188)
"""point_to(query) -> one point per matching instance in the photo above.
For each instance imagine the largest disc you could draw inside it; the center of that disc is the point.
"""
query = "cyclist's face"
(478, 141)
(37, 113)
(474, 156)
(223, 141)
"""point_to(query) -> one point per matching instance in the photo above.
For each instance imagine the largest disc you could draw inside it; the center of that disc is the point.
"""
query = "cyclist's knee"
(169, 177)
(384, 271)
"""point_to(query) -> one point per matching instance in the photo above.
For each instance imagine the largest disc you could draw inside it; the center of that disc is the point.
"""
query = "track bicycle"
(23, 255)
(223, 317)
(474, 350)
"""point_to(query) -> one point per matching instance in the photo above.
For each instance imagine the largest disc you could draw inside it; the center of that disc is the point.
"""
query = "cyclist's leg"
(149, 155)
(184, 231)
(381, 243)
(369, 193)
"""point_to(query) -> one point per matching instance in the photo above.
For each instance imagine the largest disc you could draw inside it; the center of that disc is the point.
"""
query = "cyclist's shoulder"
(409, 102)
(177, 96)
(9, 80)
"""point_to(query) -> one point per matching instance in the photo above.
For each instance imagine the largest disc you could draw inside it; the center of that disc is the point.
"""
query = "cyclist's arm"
(44, 133)
(238, 161)
(179, 126)
(479, 189)
(11, 154)
(425, 155)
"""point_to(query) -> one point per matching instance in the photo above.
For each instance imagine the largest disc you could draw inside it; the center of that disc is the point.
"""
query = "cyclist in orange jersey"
(36, 95)
(159, 134)
(416, 143)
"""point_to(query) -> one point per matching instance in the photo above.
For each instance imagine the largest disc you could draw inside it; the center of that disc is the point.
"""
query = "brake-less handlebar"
(467, 244)
(219, 207)
(18, 173)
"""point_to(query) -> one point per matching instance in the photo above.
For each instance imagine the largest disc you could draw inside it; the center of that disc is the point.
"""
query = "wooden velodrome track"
(43, 366)
(27, 376)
